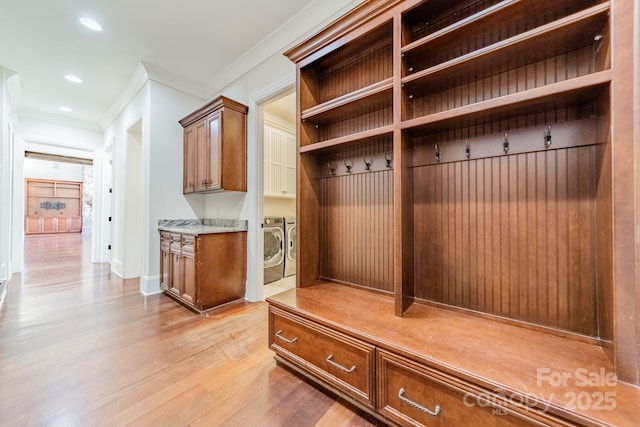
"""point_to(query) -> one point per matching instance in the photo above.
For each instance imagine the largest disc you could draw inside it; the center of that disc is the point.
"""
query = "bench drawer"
(343, 362)
(413, 395)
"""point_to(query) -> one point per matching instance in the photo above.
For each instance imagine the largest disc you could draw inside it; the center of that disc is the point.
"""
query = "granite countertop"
(202, 226)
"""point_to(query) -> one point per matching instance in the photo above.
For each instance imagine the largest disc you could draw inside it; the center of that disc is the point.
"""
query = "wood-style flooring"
(81, 347)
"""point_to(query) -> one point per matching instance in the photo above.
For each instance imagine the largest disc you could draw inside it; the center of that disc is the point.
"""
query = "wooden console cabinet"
(463, 212)
(215, 147)
(52, 206)
(205, 270)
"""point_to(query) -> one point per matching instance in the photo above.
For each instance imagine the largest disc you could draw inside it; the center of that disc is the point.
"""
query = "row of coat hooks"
(505, 145)
(368, 163)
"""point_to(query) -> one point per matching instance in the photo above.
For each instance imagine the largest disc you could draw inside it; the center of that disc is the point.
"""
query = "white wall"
(46, 169)
(158, 108)
(274, 206)
(6, 172)
(73, 138)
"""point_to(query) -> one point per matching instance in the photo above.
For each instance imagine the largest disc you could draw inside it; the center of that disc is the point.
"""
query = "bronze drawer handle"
(290, 341)
(410, 402)
(332, 363)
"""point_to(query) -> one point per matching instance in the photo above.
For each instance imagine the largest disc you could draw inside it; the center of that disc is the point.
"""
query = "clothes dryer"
(274, 250)
(290, 252)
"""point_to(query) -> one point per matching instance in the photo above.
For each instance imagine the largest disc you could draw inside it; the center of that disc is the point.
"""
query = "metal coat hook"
(348, 166)
(388, 160)
(547, 137)
(467, 149)
(332, 170)
(505, 144)
(597, 39)
(437, 150)
(367, 164)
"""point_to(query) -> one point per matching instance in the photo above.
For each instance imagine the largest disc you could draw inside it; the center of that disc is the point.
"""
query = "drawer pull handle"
(337, 365)
(410, 402)
(290, 341)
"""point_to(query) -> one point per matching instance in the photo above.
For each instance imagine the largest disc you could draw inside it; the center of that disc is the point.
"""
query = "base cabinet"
(203, 271)
(388, 386)
(438, 367)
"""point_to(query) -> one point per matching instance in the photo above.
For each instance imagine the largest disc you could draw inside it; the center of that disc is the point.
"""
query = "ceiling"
(43, 40)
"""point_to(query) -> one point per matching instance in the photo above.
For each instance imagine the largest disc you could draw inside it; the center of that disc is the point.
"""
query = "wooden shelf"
(372, 97)
(324, 146)
(568, 92)
(371, 94)
(480, 18)
(563, 35)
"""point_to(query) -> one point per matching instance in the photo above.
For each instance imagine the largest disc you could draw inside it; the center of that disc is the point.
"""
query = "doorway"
(279, 188)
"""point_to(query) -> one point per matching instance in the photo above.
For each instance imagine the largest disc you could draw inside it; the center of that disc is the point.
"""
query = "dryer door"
(291, 243)
(273, 246)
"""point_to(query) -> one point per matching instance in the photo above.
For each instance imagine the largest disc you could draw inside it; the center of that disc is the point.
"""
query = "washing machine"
(274, 249)
(290, 252)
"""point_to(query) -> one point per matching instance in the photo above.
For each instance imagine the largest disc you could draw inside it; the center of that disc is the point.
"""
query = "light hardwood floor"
(81, 347)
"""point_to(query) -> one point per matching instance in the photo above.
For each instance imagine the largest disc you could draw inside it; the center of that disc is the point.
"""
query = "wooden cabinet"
(203, 271)
(52, 206)
(279, 161)
(215, 148)
(473, 155)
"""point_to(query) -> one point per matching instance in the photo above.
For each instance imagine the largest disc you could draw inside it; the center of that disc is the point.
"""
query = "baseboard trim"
(150, 285)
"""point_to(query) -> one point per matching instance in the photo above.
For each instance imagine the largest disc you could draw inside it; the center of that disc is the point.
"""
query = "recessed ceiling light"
(90, 24)
(65, 109)
(73, 78)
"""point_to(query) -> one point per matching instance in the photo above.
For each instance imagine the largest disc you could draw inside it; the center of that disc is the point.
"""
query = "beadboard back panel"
(356, 238)
(512, 236)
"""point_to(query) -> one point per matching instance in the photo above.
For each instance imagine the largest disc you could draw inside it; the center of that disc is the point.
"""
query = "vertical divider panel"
(403, 188)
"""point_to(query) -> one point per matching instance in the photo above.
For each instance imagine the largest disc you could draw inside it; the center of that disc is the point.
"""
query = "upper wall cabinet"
(215, 147)
(279, 161)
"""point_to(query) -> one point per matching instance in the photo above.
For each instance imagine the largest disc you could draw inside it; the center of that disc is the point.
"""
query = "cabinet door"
(32, 225)
(191, 136)
(280, 162)
(175, 287)
(198, 160)
(75, 224)
(165, 266)
(189, 269)
(213, 152)
(63, 225)
(189, 288)
(290, 165)
(49, 225)
(274, 151)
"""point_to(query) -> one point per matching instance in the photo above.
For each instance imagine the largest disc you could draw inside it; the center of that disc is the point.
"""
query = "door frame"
(255, 178)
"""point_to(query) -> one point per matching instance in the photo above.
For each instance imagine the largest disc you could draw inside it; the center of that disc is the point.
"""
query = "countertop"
(195, 227)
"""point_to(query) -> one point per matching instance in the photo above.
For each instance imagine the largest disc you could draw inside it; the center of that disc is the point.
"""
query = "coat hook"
(367, 164)
(467, 149)
(547, 137)
(505, 144)
(437, 150)
(348, 166)
(388, 160)
(332, 170)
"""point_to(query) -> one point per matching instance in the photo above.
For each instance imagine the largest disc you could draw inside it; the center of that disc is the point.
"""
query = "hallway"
(79, 347)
